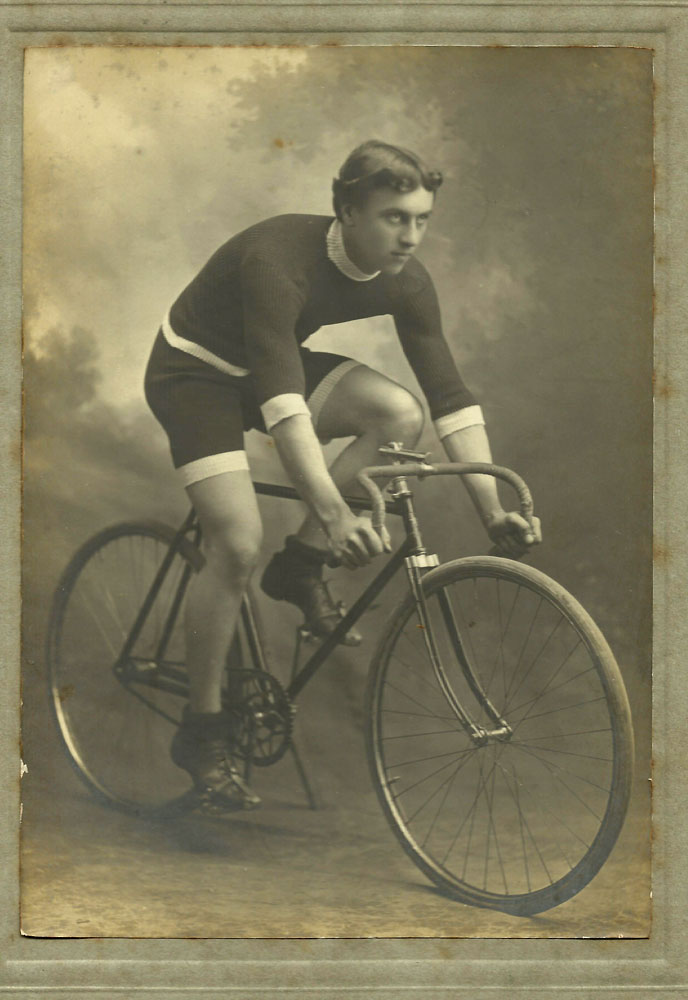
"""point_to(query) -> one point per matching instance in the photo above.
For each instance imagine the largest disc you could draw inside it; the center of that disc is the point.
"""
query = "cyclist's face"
(383, 233)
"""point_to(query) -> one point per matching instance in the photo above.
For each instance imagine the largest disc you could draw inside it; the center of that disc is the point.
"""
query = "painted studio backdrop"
(139, 163)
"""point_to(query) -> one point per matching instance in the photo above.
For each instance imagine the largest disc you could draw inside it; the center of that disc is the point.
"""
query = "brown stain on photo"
(662, 387)
(65, 692)
(660, 553)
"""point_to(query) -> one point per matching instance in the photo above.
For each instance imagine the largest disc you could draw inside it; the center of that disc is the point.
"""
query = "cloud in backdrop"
(139, 162)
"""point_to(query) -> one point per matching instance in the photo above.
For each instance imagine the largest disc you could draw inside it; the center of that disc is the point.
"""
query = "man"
(229, 358)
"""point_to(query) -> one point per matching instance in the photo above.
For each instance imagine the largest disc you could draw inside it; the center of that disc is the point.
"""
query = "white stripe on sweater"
(189, 347)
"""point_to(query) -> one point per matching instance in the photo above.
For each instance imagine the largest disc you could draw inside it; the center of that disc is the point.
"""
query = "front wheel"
(523, 819)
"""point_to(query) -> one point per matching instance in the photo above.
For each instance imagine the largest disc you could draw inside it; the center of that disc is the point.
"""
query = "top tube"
(355, 503)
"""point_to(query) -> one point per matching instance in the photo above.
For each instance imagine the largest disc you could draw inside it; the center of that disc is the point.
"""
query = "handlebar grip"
(376, 499)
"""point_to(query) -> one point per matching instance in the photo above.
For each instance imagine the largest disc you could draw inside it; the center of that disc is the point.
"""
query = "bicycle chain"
(263, 716)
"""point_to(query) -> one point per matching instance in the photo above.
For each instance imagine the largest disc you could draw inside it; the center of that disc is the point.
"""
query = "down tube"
(351, 617)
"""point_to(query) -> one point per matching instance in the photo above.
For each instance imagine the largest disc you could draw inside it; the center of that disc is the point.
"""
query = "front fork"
(417, 564)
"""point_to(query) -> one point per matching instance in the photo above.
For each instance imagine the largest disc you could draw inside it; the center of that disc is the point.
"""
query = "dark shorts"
(205, 411)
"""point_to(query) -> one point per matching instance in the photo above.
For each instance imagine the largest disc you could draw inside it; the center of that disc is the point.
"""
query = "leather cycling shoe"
(296, 575)
(201, 747)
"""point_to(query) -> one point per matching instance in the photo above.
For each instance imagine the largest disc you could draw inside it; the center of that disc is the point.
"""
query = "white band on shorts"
(469, 416)
(212, 465)
(189, 347)
(287, 404)
(318, 397)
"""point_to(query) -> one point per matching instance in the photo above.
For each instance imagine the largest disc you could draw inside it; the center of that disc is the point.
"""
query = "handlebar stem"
(400, 491)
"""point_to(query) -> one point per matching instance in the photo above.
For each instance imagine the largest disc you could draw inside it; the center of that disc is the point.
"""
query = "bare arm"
(352, 539)
(509, 531)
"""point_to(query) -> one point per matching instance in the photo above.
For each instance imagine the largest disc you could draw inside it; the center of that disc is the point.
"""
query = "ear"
(347, 215)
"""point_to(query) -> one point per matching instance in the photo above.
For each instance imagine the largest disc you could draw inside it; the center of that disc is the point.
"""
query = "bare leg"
(375, 410)
(227, 508)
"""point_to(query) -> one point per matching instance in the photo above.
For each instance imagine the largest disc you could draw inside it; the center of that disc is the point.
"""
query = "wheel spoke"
(448, 782)
(533, 662)
(552, 770)
(503, 632)
(548, 814)
(568, 753)
(555, 674)
(410, 698)
(490, 799)
(418, 715)
(566, 708)
(426, 777)
(478, 794)
(413, 736)
(420, 677)
(524, 647)
(433, 756)
(561, 736)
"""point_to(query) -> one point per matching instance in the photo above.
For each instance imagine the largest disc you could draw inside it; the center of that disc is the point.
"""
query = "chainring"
(262, 715)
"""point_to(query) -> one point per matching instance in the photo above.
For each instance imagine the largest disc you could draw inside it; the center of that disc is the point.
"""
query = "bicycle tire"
(488, 824)
(117, 743)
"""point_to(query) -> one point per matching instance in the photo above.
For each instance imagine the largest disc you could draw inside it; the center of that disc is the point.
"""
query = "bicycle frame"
(411, 553)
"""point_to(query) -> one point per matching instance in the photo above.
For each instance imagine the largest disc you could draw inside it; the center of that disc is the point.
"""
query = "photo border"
(383, 969)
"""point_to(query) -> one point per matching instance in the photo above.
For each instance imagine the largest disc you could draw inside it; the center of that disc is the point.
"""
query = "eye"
(394, 216)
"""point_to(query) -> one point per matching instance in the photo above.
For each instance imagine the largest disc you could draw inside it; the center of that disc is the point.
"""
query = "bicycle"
(498, 728)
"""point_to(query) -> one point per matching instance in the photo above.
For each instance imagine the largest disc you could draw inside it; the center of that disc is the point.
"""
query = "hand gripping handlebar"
(367, 476)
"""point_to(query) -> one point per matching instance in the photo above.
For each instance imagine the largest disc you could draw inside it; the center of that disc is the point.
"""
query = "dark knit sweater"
(270, 287)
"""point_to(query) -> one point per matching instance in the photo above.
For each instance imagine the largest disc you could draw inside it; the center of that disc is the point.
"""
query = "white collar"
(339, 257)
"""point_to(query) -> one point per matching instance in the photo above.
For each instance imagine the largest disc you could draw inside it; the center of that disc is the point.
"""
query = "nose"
(410, 235)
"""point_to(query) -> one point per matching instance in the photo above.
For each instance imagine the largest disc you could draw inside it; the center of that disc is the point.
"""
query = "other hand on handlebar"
(511, 533)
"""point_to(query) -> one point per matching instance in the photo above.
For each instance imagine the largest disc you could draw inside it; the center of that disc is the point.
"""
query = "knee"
(402, 418)
(232, 552)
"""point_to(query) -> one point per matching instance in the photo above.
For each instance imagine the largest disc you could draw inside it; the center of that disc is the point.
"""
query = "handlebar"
(422, 469)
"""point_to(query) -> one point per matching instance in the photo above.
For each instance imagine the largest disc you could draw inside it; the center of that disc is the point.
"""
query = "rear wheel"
(117, 717)
(521, 820)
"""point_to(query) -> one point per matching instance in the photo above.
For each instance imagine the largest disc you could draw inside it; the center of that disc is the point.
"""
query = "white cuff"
(212, 465)
(469, 416)
(287, 404)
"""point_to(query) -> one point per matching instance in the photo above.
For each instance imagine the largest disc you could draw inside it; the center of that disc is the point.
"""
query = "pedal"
(353, 637)
(306, 635)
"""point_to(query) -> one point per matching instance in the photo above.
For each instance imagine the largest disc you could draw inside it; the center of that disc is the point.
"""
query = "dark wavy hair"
(376, 164)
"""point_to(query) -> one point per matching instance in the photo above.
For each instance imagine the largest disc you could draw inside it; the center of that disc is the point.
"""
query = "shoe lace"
(322, 596)
(217, 752)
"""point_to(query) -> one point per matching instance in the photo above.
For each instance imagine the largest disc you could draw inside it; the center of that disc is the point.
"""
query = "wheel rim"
(520, 824)
(118, 728)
